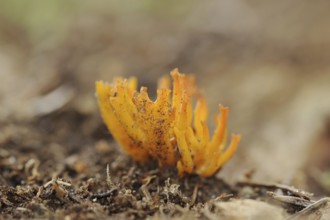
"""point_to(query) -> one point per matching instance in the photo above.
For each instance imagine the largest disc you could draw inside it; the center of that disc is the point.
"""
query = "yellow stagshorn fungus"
(166, 130)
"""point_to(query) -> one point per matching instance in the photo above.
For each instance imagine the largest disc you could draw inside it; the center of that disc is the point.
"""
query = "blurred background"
(269, 61)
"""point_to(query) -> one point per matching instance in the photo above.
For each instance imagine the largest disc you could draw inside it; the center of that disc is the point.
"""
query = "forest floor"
(62, 166)
(58, 160)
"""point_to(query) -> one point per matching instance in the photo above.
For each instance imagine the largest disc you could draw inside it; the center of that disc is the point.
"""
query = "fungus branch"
(167, 130)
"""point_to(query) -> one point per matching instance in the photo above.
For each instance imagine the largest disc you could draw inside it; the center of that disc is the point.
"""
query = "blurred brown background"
(269, 61)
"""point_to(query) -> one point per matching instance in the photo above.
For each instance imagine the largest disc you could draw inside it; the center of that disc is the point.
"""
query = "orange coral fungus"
(166, 130)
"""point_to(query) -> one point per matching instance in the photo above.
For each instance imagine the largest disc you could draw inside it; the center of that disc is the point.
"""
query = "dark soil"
(66, 165)
(66, 147)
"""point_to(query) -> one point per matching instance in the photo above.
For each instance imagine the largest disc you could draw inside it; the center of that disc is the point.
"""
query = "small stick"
(57, 184)
(310, 209)
(286, 189)
(109, 181)
(60, 192)
(194, 195)
(300, 203)
(58, 181)
(144, 188)
(104, 194)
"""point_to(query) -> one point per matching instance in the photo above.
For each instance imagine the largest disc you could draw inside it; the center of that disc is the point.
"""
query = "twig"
(31, 167)
(296, 202)
(104, 194)
(109, 181)
(60, 192)
(288, 190)
(144, 188)
(194, 195)
(57, 184)
(58, 181)
(310, 209)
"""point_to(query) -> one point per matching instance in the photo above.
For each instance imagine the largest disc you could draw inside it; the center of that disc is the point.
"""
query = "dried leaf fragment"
(167, 130)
